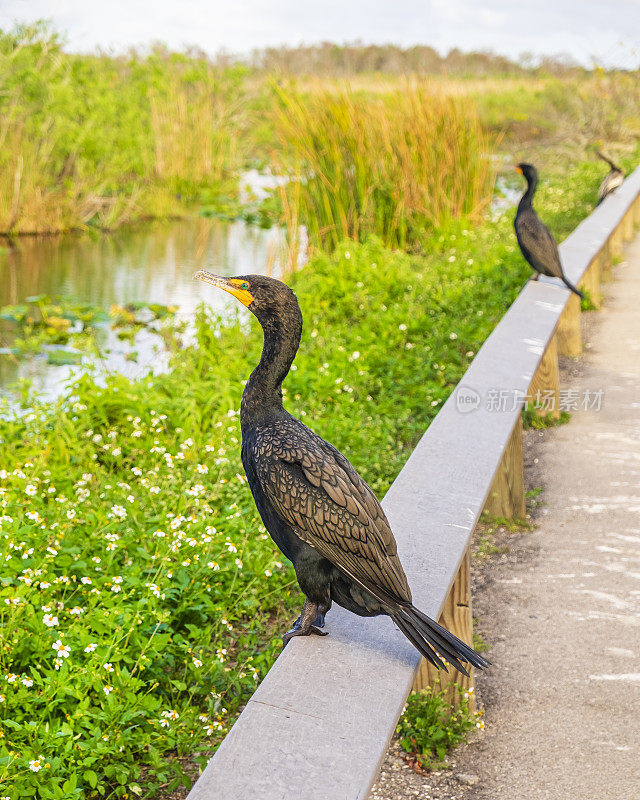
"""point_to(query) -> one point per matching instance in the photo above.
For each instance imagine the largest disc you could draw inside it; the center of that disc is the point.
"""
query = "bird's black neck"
(527, 197)
(263, 392)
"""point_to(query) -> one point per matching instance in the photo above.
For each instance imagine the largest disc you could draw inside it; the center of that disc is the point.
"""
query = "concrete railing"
(318, 726)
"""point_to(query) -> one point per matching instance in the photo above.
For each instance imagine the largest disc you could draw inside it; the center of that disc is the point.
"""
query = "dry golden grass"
(383, 165)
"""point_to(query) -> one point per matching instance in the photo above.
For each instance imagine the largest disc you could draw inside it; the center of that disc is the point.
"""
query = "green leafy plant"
(65, 329)
(586, 302)
(430, 727)
(531, 418)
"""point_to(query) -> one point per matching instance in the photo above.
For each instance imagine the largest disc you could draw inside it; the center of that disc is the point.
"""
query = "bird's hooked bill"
(238, 287)
(209, 277)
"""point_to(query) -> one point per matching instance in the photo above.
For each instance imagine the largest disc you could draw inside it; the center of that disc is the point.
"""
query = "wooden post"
(544, 388)
(615, 242)
(604, 256)
(506, 496)
(627, 225)
(568, 333)
(457, 617)
(591, 281)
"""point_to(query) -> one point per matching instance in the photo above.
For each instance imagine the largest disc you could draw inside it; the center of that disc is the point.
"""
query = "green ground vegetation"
(430, 727)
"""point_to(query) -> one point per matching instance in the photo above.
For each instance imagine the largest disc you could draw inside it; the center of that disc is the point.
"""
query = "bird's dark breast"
(523, 238)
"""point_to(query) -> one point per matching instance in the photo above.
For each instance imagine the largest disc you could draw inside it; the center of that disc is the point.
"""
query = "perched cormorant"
(536, 242)
(318, 510)
(613, 179)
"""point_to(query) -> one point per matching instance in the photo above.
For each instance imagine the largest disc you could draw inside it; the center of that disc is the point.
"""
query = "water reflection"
(507, 194)
(153, 263)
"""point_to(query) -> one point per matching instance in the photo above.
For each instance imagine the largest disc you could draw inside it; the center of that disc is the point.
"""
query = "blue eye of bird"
(245, 285)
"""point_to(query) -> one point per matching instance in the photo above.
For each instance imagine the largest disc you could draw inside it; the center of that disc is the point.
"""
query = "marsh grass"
(100, 141)
(388, 165)
(194, 128)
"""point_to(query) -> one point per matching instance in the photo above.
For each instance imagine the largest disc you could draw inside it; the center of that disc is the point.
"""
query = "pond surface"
(507, 194)
(152, 263)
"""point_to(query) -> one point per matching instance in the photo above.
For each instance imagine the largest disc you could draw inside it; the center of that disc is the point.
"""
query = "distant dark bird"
(613, 179)
(318, 510)
(536, 242)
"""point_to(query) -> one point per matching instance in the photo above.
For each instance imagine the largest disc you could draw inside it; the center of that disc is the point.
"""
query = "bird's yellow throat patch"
(240, 290)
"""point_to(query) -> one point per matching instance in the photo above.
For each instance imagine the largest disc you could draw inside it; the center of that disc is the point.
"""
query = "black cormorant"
(318, 510)
(613, 179)
(536, 242)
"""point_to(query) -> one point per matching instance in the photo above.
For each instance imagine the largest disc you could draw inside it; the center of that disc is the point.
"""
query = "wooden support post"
(544, 388)
(591, 281)
(604, 256)
(506, 496)
(457, 617)
(568, 333)
(627, 225)
(615, 242)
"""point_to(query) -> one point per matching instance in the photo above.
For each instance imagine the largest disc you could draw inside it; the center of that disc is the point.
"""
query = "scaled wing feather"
(315, 489)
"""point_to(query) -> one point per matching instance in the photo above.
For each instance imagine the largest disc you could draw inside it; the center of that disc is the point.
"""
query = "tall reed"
(193, 130)
(387, 165)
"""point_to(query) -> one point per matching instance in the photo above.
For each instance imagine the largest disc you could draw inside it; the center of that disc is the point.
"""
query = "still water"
(152, 262)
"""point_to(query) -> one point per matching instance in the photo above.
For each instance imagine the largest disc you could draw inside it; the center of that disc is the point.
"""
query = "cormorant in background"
(613, 179)
(536, 242)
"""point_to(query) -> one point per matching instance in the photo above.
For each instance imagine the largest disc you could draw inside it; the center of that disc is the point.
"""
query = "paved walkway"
(562, 610)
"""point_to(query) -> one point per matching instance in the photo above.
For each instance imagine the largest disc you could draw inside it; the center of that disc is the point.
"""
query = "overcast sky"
(608, 31)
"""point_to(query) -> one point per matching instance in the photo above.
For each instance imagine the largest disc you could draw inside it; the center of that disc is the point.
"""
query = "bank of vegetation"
(96, 140)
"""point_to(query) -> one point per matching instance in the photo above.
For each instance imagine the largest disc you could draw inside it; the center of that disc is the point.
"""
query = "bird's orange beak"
(518, 169)
(238, 288)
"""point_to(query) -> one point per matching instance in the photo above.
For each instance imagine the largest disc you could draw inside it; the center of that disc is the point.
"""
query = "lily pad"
(60, 357)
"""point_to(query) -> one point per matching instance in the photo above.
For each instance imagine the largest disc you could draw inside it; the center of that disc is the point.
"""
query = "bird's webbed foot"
(307, 623)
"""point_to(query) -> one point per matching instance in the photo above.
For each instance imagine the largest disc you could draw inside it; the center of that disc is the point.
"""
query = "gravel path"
(561, 609)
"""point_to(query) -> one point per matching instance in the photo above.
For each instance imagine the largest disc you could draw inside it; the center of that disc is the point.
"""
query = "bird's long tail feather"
(569, 285)
(435, 642)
